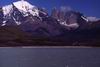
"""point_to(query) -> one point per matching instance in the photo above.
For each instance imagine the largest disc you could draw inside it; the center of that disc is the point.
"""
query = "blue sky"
(88, 7)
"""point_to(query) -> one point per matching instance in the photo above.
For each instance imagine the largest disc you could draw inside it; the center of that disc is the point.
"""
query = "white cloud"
(66, 8)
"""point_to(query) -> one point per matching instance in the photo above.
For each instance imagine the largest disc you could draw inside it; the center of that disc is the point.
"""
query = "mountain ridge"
(63, 25)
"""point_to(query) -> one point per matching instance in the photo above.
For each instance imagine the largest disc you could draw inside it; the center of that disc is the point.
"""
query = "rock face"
(55, 13)
(22, 18)
(67, 18)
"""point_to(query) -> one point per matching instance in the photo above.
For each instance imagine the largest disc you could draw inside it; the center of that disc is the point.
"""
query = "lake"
(49, 57)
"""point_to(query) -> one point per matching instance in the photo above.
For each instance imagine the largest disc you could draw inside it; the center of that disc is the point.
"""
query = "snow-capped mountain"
(37, 20)
(23, 7)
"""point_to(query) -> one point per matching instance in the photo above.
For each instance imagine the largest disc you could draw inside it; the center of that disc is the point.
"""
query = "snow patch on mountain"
(72, 25)
(93, 19)
(85, 18)
(7, 9)
(25, 7)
